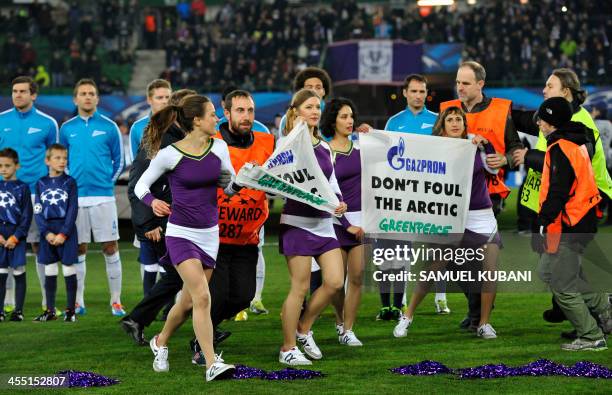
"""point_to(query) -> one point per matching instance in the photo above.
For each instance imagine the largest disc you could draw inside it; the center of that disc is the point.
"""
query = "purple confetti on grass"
(541, 367)
(247, 372)
(423, 368)
(292, 374)
(87, 379)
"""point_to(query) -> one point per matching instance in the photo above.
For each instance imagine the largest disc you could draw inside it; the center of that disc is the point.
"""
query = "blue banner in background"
(441, 58)
(130, 108)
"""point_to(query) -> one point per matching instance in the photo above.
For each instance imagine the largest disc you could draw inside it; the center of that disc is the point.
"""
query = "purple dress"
(481, 225)
(193, 231)
(304, 230)
(348, 173)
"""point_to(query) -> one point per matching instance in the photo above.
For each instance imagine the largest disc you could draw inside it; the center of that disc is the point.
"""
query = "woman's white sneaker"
(310, 347)
(486, 331)
(340, 328)
(160, 363)
(293, 357)
(401, 329)
(219, 370)
(349, 338)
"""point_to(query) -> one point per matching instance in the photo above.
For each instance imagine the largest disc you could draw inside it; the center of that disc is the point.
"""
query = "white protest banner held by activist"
(292, 171)
(415, 185)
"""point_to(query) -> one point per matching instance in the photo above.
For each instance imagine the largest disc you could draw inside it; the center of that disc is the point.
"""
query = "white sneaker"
(486, 331)
(349, 339)
(160, 363)
(401, 329)
(293, 357)
(340, 329)
(219, 370)
(442, 307)
(310, 347)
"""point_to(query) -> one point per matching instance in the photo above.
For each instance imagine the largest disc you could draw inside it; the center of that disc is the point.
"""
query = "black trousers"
(232, 286)
(162, 293)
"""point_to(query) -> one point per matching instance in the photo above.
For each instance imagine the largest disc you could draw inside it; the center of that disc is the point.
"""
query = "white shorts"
(100, 219)
(33, 232)
(481, 221)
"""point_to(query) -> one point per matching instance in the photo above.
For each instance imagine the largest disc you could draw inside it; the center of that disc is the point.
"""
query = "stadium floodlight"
(429, 3)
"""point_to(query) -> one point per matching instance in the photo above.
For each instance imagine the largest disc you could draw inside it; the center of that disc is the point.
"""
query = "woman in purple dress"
(306, 232)
(195, 166)
(480, 228)
(337, 123)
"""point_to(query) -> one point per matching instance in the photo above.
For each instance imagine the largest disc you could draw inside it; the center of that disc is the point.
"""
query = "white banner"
(376, 60)
(414, 184)
(292, 171)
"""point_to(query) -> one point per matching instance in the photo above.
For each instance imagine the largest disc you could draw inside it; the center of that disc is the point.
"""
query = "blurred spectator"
(57, 68)
(42, 77)
(198, 9)
(150, 30)
(568, 46)
(28, 55)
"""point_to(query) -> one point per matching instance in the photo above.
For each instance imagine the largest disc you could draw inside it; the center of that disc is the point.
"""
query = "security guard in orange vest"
(490, 118)
(241, 217)
(567, 222)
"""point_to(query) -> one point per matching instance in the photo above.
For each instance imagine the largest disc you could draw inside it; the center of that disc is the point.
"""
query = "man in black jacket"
(150, 228)
(567, 221)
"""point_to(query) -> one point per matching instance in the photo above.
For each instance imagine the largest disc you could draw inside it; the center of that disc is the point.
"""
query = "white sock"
(81, 270)
(9, 299)
(113, 272)
(40, 270)
(261, 275)
(440, 296)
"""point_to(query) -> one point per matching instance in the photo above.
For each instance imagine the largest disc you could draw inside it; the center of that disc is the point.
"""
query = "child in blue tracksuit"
(15, 220)
(55, 211)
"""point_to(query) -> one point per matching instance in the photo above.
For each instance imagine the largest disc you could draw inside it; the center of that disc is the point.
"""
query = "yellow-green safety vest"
(531, 189)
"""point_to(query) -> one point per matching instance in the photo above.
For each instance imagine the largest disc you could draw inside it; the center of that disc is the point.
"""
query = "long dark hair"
(438, 128)
(570, 80)
(191, 106)
(332, 108)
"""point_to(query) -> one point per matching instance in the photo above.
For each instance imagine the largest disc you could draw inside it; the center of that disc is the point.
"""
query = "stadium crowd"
(254, 44)
(261, 45)
(60, 44)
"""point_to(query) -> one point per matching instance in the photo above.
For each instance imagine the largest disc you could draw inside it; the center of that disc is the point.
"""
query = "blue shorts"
(67, 253)
(15, 257)
(148, 254)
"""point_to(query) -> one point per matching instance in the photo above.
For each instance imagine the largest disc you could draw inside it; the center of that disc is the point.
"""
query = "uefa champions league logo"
(53, 196)
(375, 60)
(7, 199)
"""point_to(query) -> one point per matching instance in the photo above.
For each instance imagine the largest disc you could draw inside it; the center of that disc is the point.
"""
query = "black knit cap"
(557, 111)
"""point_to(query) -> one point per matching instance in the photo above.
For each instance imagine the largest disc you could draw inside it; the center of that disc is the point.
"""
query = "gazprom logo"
(283, 158)
(397, 161)
(395, 155)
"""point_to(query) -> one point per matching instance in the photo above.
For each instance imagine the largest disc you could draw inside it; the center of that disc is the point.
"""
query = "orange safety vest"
(583, 195)
(490, 124)
(242, 215)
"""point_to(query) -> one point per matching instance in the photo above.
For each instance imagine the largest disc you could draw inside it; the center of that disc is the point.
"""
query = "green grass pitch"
(96, 343)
